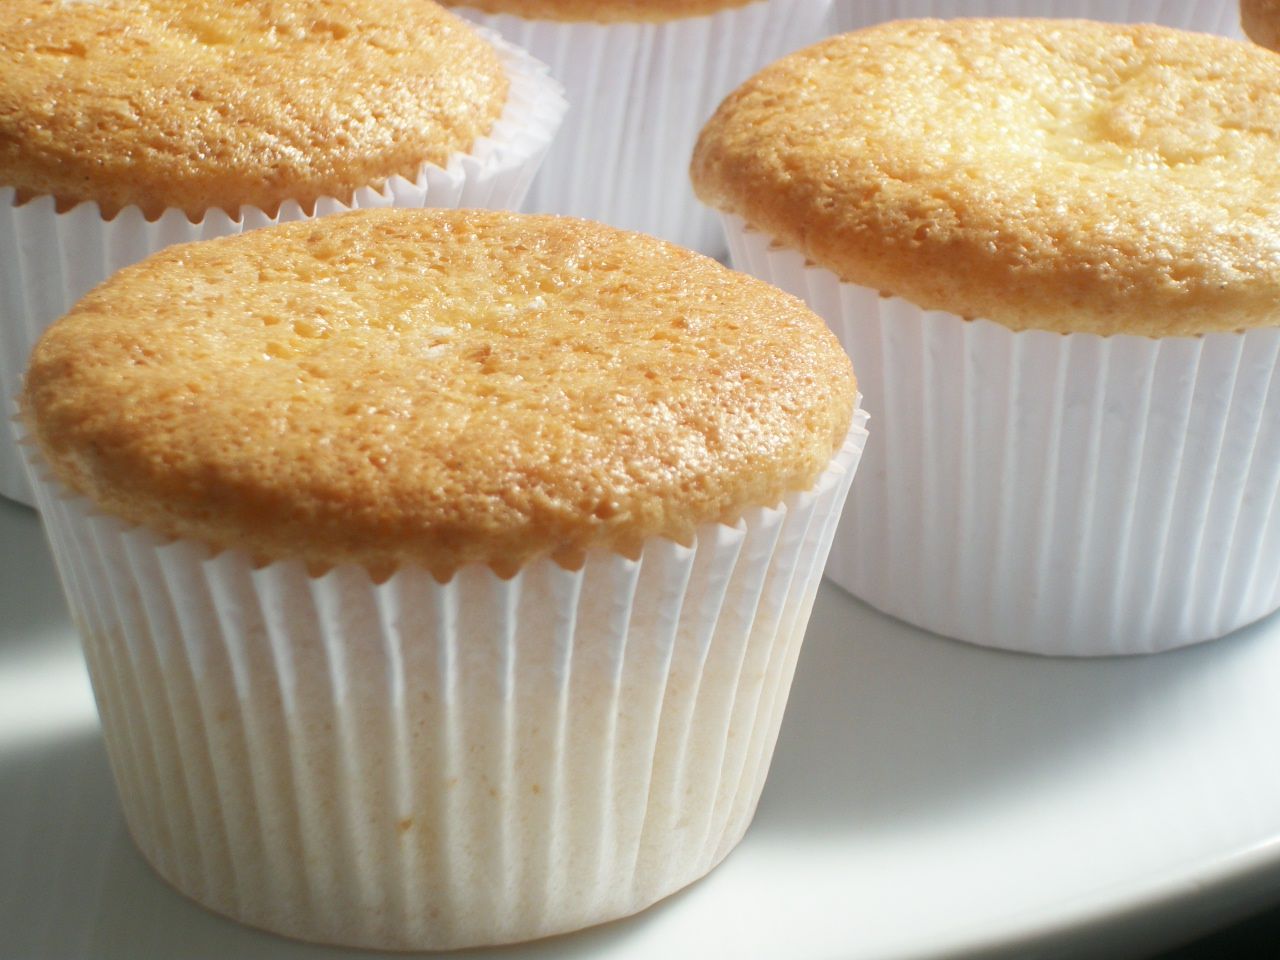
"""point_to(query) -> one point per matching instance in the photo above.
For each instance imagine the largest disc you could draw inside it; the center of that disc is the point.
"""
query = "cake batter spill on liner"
(1261, 21)
(436, 388)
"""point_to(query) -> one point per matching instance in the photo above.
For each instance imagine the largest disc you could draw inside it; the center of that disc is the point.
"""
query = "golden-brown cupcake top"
(1261, 21)
(1062, 175)
(436, 388)
(603, 11)
(179, 103)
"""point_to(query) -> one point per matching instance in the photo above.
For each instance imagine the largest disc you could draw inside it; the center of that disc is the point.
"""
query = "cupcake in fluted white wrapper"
(642, 76)
(130, 126)
(441, 574)
(1053, 247)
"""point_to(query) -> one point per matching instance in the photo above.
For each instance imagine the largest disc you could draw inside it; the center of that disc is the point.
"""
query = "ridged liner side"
(639, 93)
(1049, 493)
(416, 765)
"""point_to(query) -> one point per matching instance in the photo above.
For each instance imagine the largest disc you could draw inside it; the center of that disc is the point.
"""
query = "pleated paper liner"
(1203, 16)
(49, 260)
(416, 765)
(1055, 494)
(639, 95)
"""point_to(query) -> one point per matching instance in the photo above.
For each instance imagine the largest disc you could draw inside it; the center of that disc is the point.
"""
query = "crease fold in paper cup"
(49, 260)
(416, 765)
(1055, 494)
(639, 93)
(1203, 16)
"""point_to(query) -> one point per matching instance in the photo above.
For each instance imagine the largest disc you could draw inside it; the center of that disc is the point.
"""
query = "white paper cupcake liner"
(49, 260)
(1203, 16)
(1056, 494)
(411, 765)
(639, 93)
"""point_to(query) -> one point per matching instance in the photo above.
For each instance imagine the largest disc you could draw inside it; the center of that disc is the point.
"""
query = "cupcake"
(642, 76)
(1261, 22)
(1053, 248)
(441, 574)
(1207, 16)
(126, 127)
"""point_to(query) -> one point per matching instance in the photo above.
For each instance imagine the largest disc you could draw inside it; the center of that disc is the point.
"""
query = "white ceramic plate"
(927, 799)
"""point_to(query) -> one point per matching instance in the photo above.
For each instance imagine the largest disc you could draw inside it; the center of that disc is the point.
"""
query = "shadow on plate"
(74, 886)
(30, 596)
(890, 727)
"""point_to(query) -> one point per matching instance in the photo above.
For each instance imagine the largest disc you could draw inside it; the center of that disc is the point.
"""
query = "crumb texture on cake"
(195, 106)
(604, 11)
(1261, 21)
(436, 388)
(1060, 175)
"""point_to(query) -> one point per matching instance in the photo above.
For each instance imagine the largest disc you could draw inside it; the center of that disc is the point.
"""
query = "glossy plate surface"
(927, 799)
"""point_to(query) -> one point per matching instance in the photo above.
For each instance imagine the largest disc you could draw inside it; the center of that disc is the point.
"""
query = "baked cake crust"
(176, 103)
(436, 388)
(1261, 21)
(1059, 175)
